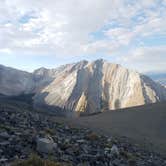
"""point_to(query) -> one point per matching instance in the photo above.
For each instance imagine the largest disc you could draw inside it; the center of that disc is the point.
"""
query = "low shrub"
(35, 160)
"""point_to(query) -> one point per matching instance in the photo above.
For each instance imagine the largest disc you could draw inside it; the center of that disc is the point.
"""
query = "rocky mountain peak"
(90, 87)
(83, 87)
(100, 61)
(40, 70)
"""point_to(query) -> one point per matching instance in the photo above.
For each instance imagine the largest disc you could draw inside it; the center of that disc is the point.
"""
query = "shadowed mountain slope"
(83, 87)
(142, 124)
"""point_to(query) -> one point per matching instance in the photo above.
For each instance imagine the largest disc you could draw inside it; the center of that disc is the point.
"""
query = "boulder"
(45, 145)
(115, 150)
(4, 135)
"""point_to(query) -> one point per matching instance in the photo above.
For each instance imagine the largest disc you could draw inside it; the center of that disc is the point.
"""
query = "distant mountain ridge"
(83, 87)
(158, 77)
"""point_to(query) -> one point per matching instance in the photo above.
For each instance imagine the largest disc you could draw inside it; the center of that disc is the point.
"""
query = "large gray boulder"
(45, 145)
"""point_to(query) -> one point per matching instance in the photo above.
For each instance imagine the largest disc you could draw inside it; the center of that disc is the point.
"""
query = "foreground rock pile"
(24, 133)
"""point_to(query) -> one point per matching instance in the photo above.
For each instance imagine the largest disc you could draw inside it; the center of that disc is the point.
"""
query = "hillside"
(143, 124)
(65, 142)
(82, 88)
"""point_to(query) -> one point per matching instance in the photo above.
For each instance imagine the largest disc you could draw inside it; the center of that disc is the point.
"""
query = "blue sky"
(50, 33)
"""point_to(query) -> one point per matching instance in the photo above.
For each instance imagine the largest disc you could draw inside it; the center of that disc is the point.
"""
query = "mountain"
(83, 87)
(158, 77)
(15, 82)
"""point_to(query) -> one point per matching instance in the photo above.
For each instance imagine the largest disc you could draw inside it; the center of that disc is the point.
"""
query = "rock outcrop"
(91, 87)
(83, 87)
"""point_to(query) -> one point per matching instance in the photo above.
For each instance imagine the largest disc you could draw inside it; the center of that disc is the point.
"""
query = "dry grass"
(35, 160)
(92, 136)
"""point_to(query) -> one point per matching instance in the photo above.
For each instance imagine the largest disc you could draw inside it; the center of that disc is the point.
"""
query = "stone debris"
(23, 133)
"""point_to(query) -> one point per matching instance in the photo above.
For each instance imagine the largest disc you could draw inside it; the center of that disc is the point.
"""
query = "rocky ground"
(23, 133)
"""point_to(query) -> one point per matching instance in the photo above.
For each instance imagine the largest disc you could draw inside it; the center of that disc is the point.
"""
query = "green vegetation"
(35, 160)
(49, 131)
(7, 128)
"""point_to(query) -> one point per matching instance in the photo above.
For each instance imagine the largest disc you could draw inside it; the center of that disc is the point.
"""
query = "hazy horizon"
(56, 66)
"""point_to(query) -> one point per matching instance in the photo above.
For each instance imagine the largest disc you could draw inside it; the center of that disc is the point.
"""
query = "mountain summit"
(83, 87)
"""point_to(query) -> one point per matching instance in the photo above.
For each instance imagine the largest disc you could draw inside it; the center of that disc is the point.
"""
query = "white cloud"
(146, 58)
(64, 27)
(124, 35)
(5, 50)
(121, 35)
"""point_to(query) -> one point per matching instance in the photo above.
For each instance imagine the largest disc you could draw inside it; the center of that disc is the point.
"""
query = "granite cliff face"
(87, 87)
(84, 87)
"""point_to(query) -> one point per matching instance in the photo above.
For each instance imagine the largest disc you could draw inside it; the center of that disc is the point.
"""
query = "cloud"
(64, 28)
(146, 58)
(121, 35)
(153, 25)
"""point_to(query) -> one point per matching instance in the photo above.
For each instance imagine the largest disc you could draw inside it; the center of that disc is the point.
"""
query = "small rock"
(109, 139)
(132, 162)
(1, 151)
(116, 162)
(81, 141)
(114, 150)
(3, 160)
(83, 164)
(4, 143)
(4, 135)
(67, 127)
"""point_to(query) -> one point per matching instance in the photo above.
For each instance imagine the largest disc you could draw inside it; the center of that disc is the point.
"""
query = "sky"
(49, 33)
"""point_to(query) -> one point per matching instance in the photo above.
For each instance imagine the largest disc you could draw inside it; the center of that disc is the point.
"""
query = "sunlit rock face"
(87, 87)
(83, 87)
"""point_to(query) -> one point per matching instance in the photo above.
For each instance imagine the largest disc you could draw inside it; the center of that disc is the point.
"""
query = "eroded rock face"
(92, 87)
(84, 87)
